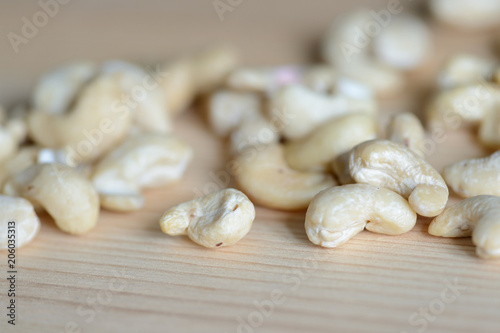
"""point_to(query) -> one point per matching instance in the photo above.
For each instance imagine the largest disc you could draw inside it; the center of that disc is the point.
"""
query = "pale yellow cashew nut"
(478, 216)
(337, 214)
(215, 220)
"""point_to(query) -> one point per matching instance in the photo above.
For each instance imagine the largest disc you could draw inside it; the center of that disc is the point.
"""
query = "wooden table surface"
(127, 276)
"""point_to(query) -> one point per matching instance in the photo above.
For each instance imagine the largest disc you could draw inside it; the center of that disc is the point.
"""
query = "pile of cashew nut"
(301, 137)
(95, 136)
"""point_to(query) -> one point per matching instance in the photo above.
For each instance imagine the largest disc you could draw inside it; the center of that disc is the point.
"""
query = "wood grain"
(127, 276)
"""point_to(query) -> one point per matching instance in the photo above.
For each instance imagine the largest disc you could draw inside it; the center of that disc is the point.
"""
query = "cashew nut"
(315, 151)
(406, 129)
(19, 215)
(218, 219)
(320, 78)
(21, 160)
(405, 43)
(337, 214)
(57, 89)
(341, 48)
(265, 177)
(227, 110)
(489, 130)
(475, 176)
(462, 105)
(240, 114)
(476, 216)
(466, 14)
(198, 73)
(12, 134)
(302, 110)
(146, 97)
(465, 69)
(66, 195)
(387, 164)
(253, 132)
(145, 161)
(94, 126)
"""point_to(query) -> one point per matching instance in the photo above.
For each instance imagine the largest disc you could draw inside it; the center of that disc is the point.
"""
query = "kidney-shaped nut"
(18, 222)
(12, 134)
(146, 97)
(57, 89)
(336, 214)
(21, 160)
(406, 129)
(465, 69)
(218, 219)
(404, 43)
(301, 110)
(60, 88)
(227, 110)
(315, 151)
(253, 132)
(349, 49)
(387, 164)
(191, 75)
(463, 105)
(140, 162)
(489, 129)
(96, 124)
(477, 216)
(266, 178)
(64, 193)
(466, 14)
(473, 177)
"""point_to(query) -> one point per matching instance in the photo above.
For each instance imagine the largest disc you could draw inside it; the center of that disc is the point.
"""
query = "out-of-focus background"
(127, 276)
(265, 32)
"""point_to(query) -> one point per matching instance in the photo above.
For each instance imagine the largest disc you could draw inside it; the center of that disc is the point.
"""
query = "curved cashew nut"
(140, 162)
(57, 89)
(240, 114)
(12, 134)
(147, 97)
(475, 176)
(337, 214)
(339, 49)
(387, 164)
(466, 14)
(477, 216)
(404, 44)
(228, 110)
(215, 220)
(198, 73)
(406, 129)
(301, 110)
(95, 124)
(267, 179)
(253, 132)
(465, 69)
(66, 195)
(462, 105)
(21, 160)
(17, 213)
(489, 130)
(315, 151)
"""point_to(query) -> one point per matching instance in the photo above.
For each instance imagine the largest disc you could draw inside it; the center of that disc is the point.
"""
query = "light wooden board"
(127, 276)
